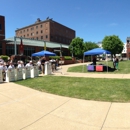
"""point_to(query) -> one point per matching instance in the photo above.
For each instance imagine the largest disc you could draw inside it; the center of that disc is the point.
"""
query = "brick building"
(56, 36)
(2, 34)
(47, 30)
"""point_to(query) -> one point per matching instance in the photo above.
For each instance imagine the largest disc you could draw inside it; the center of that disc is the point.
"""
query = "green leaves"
(113, 44)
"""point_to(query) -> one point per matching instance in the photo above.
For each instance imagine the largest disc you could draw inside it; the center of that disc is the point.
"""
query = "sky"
(92, 20)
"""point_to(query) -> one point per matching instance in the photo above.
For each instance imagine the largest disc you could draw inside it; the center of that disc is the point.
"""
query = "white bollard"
(18, 74)
(1, 76)
(10, 75)
(48, 68)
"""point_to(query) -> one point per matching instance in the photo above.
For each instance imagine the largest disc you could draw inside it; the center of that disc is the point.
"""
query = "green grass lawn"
(112, 90)
(124, 68)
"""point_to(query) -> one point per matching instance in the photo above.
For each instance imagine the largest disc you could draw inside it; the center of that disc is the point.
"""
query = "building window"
(32, 28)
(20, 31)
(27, 34)
(32, 34)
(28, 50)
(24, 35)
(23, 30)
(27, 30)
(37, 27)
(0, 27)
(41, 37)
(10, 50)
(0, 48)
(37, 32)
(41, 31)
(46, 36)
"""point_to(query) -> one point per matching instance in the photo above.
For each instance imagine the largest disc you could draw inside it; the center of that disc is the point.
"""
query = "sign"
(48, 68)
(19, 74)
(36, 71)
(10, 75)
(28, 72)
(1, 77)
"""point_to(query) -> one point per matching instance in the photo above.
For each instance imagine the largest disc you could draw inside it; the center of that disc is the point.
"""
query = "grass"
(124, 68)
(111, 90)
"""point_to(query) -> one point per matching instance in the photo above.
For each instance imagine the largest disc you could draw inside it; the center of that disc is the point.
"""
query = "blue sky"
(91, 19)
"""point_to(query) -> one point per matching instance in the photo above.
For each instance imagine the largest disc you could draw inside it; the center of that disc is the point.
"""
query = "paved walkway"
(22, 108)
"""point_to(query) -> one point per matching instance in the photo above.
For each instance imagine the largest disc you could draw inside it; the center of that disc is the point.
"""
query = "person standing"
(116, 63)
(43, 60)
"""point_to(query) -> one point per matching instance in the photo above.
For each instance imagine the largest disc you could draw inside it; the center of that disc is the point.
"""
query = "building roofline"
(47, 20)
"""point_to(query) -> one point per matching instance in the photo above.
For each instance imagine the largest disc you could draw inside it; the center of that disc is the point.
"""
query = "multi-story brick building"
(2, 34)
(47, 30)
(55, 35)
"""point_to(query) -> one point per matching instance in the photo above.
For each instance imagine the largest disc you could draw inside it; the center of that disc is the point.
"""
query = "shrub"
(67, 57)
(54, 57)
(4, 57)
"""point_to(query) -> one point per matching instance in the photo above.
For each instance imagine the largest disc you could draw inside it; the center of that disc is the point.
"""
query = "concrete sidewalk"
(23, 108)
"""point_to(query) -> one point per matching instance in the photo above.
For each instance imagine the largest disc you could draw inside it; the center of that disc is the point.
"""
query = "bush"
(54, 57)
(67, 57)
(4, 57)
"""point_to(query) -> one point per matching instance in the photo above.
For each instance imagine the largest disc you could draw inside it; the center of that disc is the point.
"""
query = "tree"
(112, 44)
(77, 47)
(90, 45)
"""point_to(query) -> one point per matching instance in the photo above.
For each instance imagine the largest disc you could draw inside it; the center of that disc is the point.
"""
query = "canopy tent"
(44, 53)
(96, 51)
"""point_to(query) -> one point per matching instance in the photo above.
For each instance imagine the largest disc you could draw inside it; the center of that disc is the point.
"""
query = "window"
(10, 50)
(32, 28)
(37, 27)
(46, 36)
(27, 34)
(27, 30)
(28, 50)
(0, 27)
(23, 30)
(41, 31)
(0, 48)
(41, 37)
(37, 32)
(32, 34)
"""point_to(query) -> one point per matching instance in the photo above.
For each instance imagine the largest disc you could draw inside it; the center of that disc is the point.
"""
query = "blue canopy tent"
(44, 53)
(96, 51)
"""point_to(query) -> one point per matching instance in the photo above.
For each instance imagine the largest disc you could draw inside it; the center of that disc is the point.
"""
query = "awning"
(40, 43)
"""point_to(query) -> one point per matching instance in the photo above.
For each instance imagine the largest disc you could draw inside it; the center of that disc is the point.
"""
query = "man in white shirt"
(29, 64)
(11, 66)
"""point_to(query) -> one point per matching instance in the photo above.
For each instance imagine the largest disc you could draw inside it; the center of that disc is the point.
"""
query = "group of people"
(7, 66)
(41, 64)
(115, 62)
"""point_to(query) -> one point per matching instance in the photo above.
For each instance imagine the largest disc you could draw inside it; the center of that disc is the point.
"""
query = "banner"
(21, 48)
